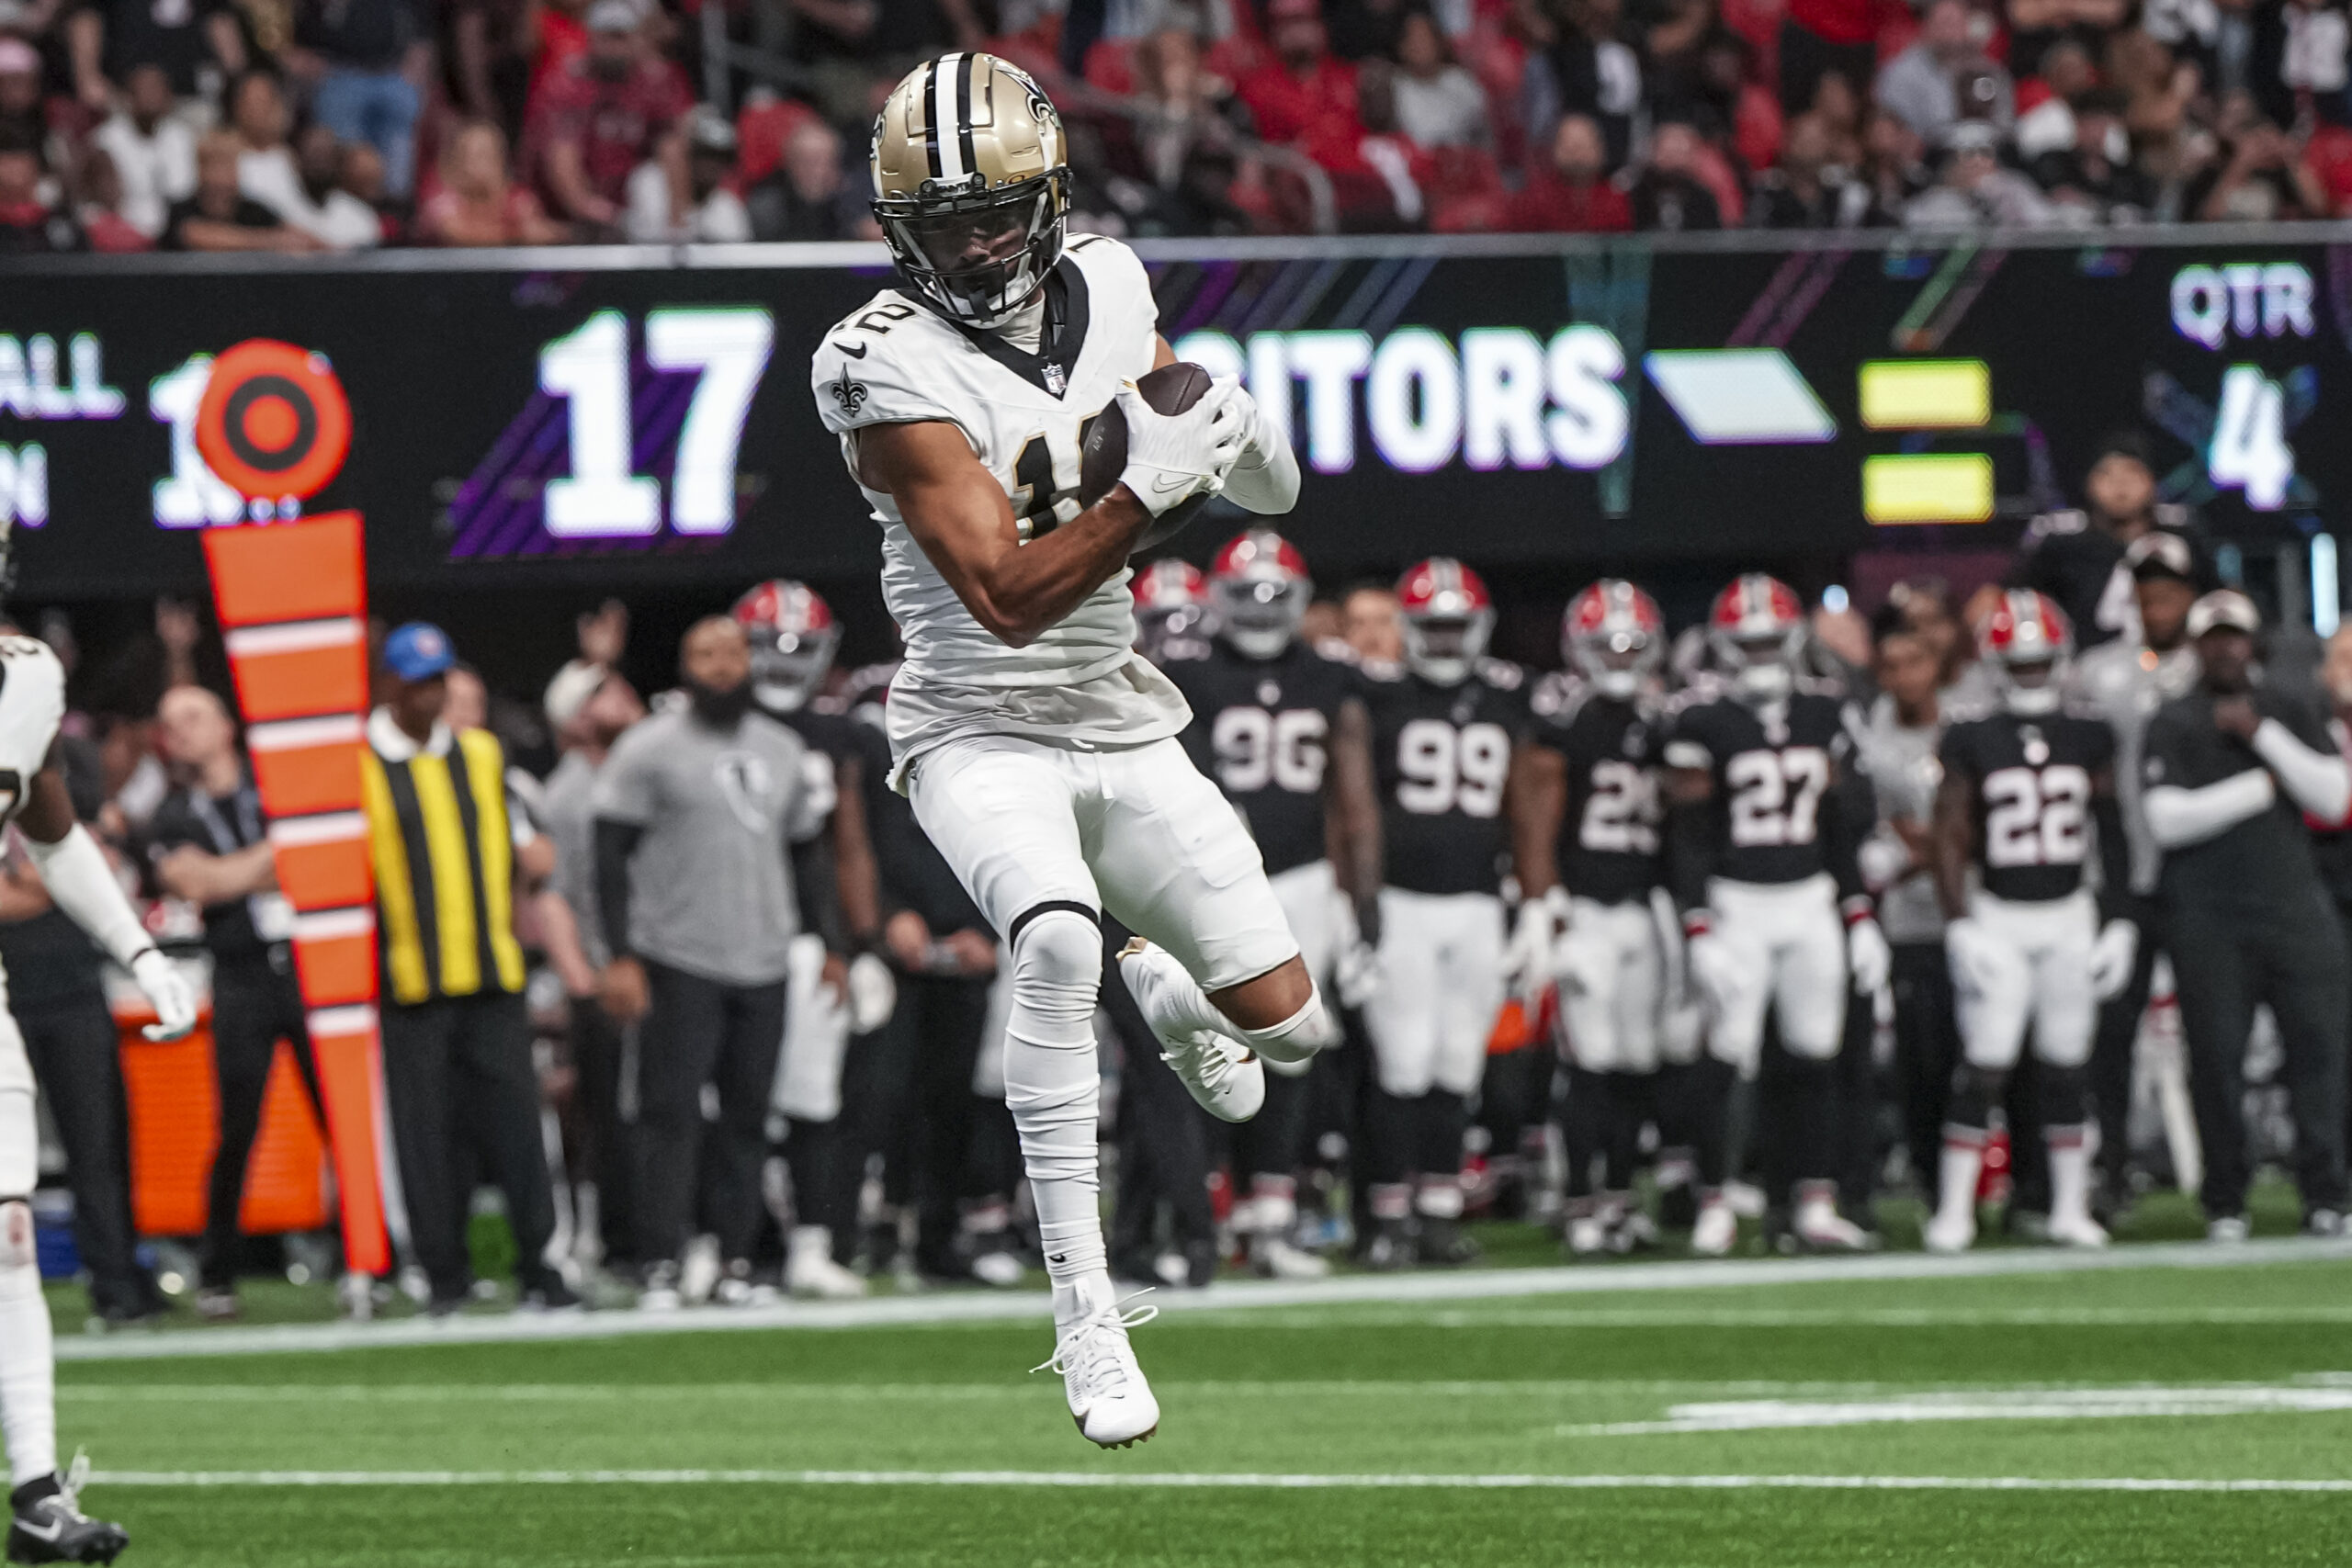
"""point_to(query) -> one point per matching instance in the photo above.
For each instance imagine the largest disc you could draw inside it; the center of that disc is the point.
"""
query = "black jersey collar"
(1053, 370)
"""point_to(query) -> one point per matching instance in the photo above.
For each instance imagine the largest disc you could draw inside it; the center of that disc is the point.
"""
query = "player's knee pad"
(1056, 960)
(1974, 1092)
(18, 1246)
(2066, 1096)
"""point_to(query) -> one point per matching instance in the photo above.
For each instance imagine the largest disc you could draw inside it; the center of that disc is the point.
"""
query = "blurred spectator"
(196, 43)
(210, 845)
(101, 212)
(1806, 190)
(1974, 189)
(713, 214)
(219, 216)
(21, 109)
(2040, 28)
(2095, 178)
(265, 169)
(1572, 195)
(2312, 53)
(807, 195)
(2257, 179)
(1892, 164)
(612, 107)
(1439, 104)
(1669, 197)
(1586, 68)
(28, 224)
(364, 60)
(359, 172)
(1365, 29)
(153, 149)
(1824, 37)
(493, 49)
(480, 202)
(318, 206)
(2046, 103)
(1945, 76)
(1372, 623)
(1304, 98)
(2077, 557)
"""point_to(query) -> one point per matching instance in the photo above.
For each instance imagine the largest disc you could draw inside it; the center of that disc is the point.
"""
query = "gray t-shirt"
(567, 804)
(710, 883)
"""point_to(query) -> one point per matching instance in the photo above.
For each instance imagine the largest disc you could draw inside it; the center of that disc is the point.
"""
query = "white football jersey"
(32, 705)
(897, 361)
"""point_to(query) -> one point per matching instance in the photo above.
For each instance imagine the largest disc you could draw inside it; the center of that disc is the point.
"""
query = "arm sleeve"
(2178, 818)
(1265, 480)
(1690, 825)
(75, 871)
(813, 884)
(616, 842)
(1849, 809)
(2319, 781)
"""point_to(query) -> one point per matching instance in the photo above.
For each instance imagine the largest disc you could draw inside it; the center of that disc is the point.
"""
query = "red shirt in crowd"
(615, 124)
(1317, 115)
(1838, 21)
(1551, 206)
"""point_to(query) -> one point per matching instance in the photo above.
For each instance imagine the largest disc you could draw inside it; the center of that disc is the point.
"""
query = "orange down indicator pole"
(293, 599)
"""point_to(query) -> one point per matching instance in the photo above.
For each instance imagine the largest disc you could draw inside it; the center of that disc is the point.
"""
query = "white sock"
(1440, 1197)
(2070, 1175)
(1963, 1164)
(1053, 1086)
(28, 1382)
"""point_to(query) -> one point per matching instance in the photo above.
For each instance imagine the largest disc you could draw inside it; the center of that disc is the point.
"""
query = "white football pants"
(1441, 987)
(2043, 977)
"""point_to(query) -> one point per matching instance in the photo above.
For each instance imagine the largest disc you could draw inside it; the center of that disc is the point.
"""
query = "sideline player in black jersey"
(1761, 840)
(2028, 946)
(1444, 728)
(1171, 606)
(1281, 729)
(1584, 848)
(839, 986)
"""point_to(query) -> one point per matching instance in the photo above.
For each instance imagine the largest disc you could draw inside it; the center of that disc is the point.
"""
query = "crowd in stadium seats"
(340, 125)
(882, 1145)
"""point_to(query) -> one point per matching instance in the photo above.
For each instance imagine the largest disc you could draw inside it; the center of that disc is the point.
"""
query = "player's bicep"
(48, 812)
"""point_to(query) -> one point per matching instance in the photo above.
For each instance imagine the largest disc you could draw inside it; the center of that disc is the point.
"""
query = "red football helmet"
(1448, 619)
(1259, 591)
(1614, 635)
(2027, 645)
(793, 635)
(1171, 599)
(1757, 629)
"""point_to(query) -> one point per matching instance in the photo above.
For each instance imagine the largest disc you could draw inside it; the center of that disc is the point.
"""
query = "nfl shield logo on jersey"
(1056, 379)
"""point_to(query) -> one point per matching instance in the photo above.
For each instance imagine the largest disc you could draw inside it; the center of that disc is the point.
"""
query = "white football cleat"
(1820, 1226)
(1589, 1235)
(1109, 1398)
(1717, 1230)
(2077, 1231)
(1273, 1258)
(1949, 1233)
(699, 1273)
(1218, 1071)
(810, 1269)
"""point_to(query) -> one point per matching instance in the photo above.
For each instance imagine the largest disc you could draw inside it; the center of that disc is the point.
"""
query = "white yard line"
(977, 1307)
(1827, 1317)
(1116, 1479)
(2001, 1405)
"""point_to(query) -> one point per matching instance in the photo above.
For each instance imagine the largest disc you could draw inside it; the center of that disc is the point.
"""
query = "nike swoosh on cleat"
(56, 1529)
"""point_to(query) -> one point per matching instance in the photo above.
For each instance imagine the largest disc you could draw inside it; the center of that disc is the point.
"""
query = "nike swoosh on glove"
(2113, 958)
(1173, 456)
(167, 991)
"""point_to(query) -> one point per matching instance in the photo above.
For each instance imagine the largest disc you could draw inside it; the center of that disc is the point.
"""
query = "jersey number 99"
(1446, 769)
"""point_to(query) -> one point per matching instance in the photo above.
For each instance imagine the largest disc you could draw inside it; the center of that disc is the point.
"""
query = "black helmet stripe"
(964, 67)
(931, 118)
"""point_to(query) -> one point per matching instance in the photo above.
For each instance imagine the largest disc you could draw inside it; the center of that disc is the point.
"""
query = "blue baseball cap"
(418, 652)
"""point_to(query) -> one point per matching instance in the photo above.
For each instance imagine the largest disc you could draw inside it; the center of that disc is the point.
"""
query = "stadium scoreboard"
(1512, 401)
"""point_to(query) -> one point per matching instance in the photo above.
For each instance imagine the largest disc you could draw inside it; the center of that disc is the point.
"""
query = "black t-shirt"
(1609, 839)
(1773, 766)
(369, 35)
(1261, 728)
(1441, 754)
(2080, 566)
(247, 214)
(2264, 866)
(218, 825)
(50, 959)
(173, 34)
(2029, 794)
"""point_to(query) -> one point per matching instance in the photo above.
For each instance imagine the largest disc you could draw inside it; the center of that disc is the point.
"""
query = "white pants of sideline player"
(27, 1394)
(1786, 951)
(1612, 968)
(2043, 977)
(1441, 987)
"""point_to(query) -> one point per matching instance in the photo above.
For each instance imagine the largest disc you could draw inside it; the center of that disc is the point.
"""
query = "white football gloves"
(167, 991)
(873, 994)
(2113, 958)
(1528, 958)
(1173, 457)
(1868, 958)
(1714, 969)
(1979, 959)
(1356, 975)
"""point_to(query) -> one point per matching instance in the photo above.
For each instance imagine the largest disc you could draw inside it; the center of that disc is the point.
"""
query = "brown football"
(1103, 459)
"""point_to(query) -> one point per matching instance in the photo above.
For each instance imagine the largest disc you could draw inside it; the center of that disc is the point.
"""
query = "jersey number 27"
(1776, 795)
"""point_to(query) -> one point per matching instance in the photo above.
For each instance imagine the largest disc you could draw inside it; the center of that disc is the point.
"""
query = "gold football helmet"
(970, 187)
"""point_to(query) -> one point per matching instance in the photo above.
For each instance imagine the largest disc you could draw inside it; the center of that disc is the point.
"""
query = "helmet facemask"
(1762, 665)
(788, 667)
(1260, 615)
(1442, 648)
(2030, 689)
(979, 256)
(1617, 662)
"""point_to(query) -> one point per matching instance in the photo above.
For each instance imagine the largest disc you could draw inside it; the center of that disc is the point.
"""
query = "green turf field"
(1851, 1421)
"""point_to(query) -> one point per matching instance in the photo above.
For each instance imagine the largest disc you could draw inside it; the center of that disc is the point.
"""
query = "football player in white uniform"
(1038, 746)
(48, 1527)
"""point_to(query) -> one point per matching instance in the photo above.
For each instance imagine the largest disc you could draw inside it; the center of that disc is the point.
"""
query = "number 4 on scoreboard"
(2250, 450)
(589, 368)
